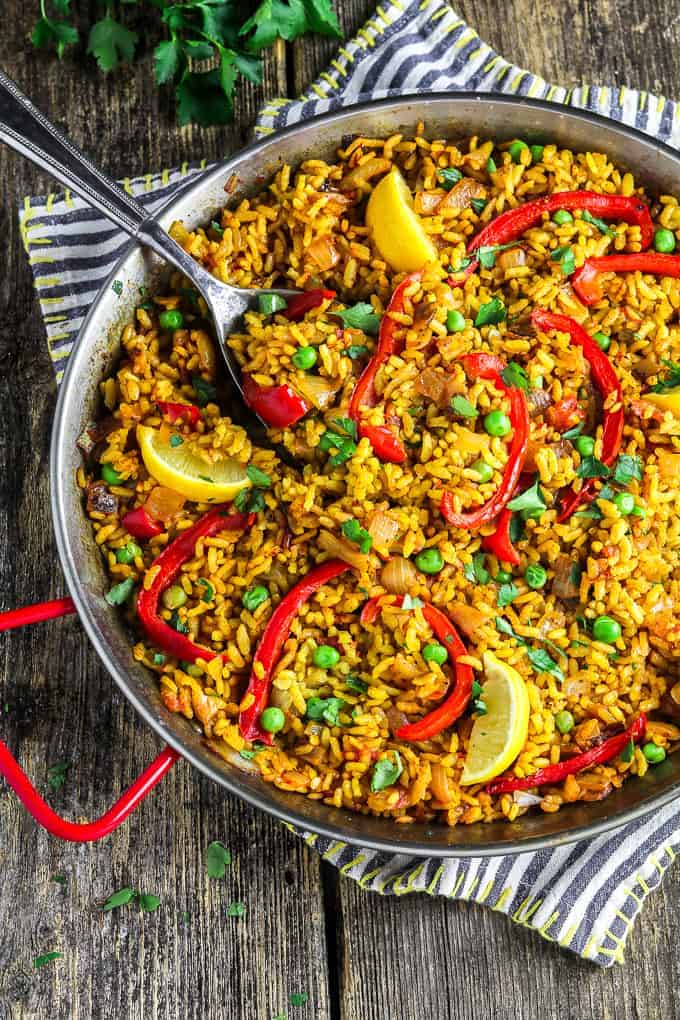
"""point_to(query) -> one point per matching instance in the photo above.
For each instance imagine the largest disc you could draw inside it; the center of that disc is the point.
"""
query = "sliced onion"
(164, 504)
(525, 799)
(324, 252)
(432, 384)
(398, 576)
(460, 196)
(440, 784)
(468, 618)
(318, 391)
(281, 699)
(383, 529)
(344, 550)
(364, 172)
(511, 258)
(669, 464)
(563, 584)
(395, 719)
(207, 358)
(426, 202)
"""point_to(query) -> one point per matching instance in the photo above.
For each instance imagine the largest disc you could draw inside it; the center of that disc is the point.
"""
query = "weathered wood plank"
(56, 703)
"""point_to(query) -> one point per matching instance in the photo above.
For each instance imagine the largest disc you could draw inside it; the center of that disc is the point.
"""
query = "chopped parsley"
(341, 437)
(672, 380)
(176, 440)
(117, 287)
(530, 499)
(205, 391)
(626, 755)
(627, 468)
(217, 228)
(218, 859)
(491, 313)
(119, 899)
(355, 683)
(603, 227)
(360, 316)
(542, 663)
(514, 375)
(177, 623)
(325, 710)
(463, 408)
(479, 205)
(258, 477)
(120, 592)
(56, 774)
(475, 571)
(463, 264)
(40, 961)
(411, 602)
(506, 594)
(385, 773)
(59, 879)
(573, 433)
(236, 909)
(449, 177)
(148, 902)
(565, 257)
(298, 998)
(486, 253)
(355, 351)
(491, 166)
(591, 467)
(249, 501)
(353, 531)
(209, 593)
(249, 753)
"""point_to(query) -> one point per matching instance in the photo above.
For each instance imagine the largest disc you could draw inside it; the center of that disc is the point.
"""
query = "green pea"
(516, 150)
(664, 240)
(602, 340)
(535, 576)
(435, 653)
(304, 358)
(325, 657)
(585, 445)
(503, 577)
(272, 719)
(267, 304)
(171, 318)
(483, 470)
(653, 753)
(174, 597)
(254, 597)
(455, 321)
(564, 721)
(497, 423)
(128, 553)
(536, 153)
(625, 503)
(607, 630)
(110, 475)
(430, 561)
(561, 217)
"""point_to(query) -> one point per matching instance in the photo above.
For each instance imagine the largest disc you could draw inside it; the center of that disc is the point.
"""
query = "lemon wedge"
(669, 401)
(396, 229)
(182, 469)
(497, 737)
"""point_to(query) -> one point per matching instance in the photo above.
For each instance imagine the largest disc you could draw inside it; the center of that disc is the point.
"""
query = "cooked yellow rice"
(630, 565)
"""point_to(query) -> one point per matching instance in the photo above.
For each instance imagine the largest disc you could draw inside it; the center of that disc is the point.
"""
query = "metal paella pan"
(656, 166)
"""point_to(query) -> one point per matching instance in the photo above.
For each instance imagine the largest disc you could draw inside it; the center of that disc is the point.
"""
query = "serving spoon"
(26, 130)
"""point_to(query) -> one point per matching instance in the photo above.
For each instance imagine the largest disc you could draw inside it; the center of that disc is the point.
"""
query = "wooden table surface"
(358, 956)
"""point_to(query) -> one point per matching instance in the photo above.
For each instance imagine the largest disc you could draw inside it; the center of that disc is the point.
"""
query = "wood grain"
(358, 956)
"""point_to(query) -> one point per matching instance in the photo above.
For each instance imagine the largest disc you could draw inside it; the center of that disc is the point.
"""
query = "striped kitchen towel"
(584, 896)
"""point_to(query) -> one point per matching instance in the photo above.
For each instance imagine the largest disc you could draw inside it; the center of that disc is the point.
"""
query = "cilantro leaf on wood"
(219, 859)
(53, 31)
(111, 43)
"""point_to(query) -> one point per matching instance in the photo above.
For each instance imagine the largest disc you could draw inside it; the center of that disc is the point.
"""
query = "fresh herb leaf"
(248, 754)
(346, 425)
(503, 627)
(111, 43)
(56, 774)
(258, 477)
(209, 593)
(506, 594)
(158, 659)
(603, 227)
(565, 257)
(575, 573)
(148, 902)
(476, 689)
(475, 571)
(530, 499)
(491, 166)
(463, 408)
(573, 433)
(514, 375)
(249, 501)
(542, 663)
(671, 381)
(516, 530)
(410, 602)
(59, 879)
(218, 859)
(177, 623)
(591, 467)
(53, 31)
(386, 772)
(491, 313)
(176, 440)
(119, 899)
(626, 755)
(479, 205)
(117, 287)
(355, 351)
(479, 706)
(627, 468)
(360, 316)
(449, 176)
(326, 709)
(236, 909)
(204, 390)
(486, 253)
(344, 446)
(353, 531)
(298, 998)
(168, 57)
(355, 683)
(40, 961)
(463, 264)
(219, 230)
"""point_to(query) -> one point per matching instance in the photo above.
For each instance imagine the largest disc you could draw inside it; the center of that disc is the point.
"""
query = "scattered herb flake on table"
(219, 859)
(56, 774)
(119, 899)
(298, 998)
(236, 909)
(40, 961)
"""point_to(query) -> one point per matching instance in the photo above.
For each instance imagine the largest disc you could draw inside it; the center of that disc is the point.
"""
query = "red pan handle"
(86, 832)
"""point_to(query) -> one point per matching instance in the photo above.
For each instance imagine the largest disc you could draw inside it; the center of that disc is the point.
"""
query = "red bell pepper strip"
(499, 543)
(570, 766)
(455, 704)
(298, 305)
(279, 406)
(383, 440)
(271, 644)
(607, 383)
(585, 280)
(510, 225)
(489, 366)
(173, 412)
(167, 566)
(140, 524)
